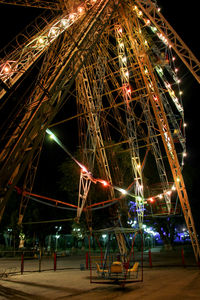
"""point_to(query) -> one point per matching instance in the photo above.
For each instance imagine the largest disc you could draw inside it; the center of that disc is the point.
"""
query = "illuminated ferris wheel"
(118, 61)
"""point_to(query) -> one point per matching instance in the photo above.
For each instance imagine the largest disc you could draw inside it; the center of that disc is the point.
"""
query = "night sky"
(184, 17)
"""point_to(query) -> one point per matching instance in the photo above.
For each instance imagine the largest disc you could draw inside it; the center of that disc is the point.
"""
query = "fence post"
(86, 260)
(22, 263)
(55, 261)
(183, 258)
(150, 258)
(40, 258)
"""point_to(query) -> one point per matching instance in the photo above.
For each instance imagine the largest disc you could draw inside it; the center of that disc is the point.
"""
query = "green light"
(51, 135)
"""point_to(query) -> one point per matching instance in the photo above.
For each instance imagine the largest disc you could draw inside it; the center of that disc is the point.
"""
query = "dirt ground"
(159, 283)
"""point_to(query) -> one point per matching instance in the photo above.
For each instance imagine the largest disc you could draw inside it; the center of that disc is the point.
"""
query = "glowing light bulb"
(53, 31)
(169, 193)
(105, 183)
(148, 22)
(51, 135)
(154, 29)
(63, 22)
(127, 74)
(71, 16)
(6, 69)
(41, 40)
(124, 192)
(83, 169)
(151, 200)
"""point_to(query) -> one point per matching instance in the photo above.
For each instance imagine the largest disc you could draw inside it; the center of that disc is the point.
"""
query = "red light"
(83, 169)
(155, 98)
(105, 183)
(151, 200)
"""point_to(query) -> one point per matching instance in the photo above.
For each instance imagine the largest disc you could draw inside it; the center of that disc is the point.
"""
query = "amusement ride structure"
(116, 60)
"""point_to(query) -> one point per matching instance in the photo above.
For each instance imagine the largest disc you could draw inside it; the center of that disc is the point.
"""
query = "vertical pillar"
(54, 261)
(40, 258)
(86, 260)
(183, 257)
(22, 263)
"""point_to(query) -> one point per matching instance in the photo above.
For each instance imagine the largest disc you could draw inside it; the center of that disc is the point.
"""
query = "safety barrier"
(156, 257)
(19, 262)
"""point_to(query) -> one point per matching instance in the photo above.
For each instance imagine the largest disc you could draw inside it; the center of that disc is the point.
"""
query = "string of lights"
(170, 60)
(104, 182)
(177, 102)
(54, 31)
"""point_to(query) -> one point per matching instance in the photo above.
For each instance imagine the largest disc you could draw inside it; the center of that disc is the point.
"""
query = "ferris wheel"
(117, 60)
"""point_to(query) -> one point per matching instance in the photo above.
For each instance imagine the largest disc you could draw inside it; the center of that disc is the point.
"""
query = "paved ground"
(159, 283)
(166, 280)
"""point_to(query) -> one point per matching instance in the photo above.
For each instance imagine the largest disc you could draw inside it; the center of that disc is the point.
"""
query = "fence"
(19, 262)
(156, 257)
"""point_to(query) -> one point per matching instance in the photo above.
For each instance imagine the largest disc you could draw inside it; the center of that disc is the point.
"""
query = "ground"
(163, 281)
(172, 283)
